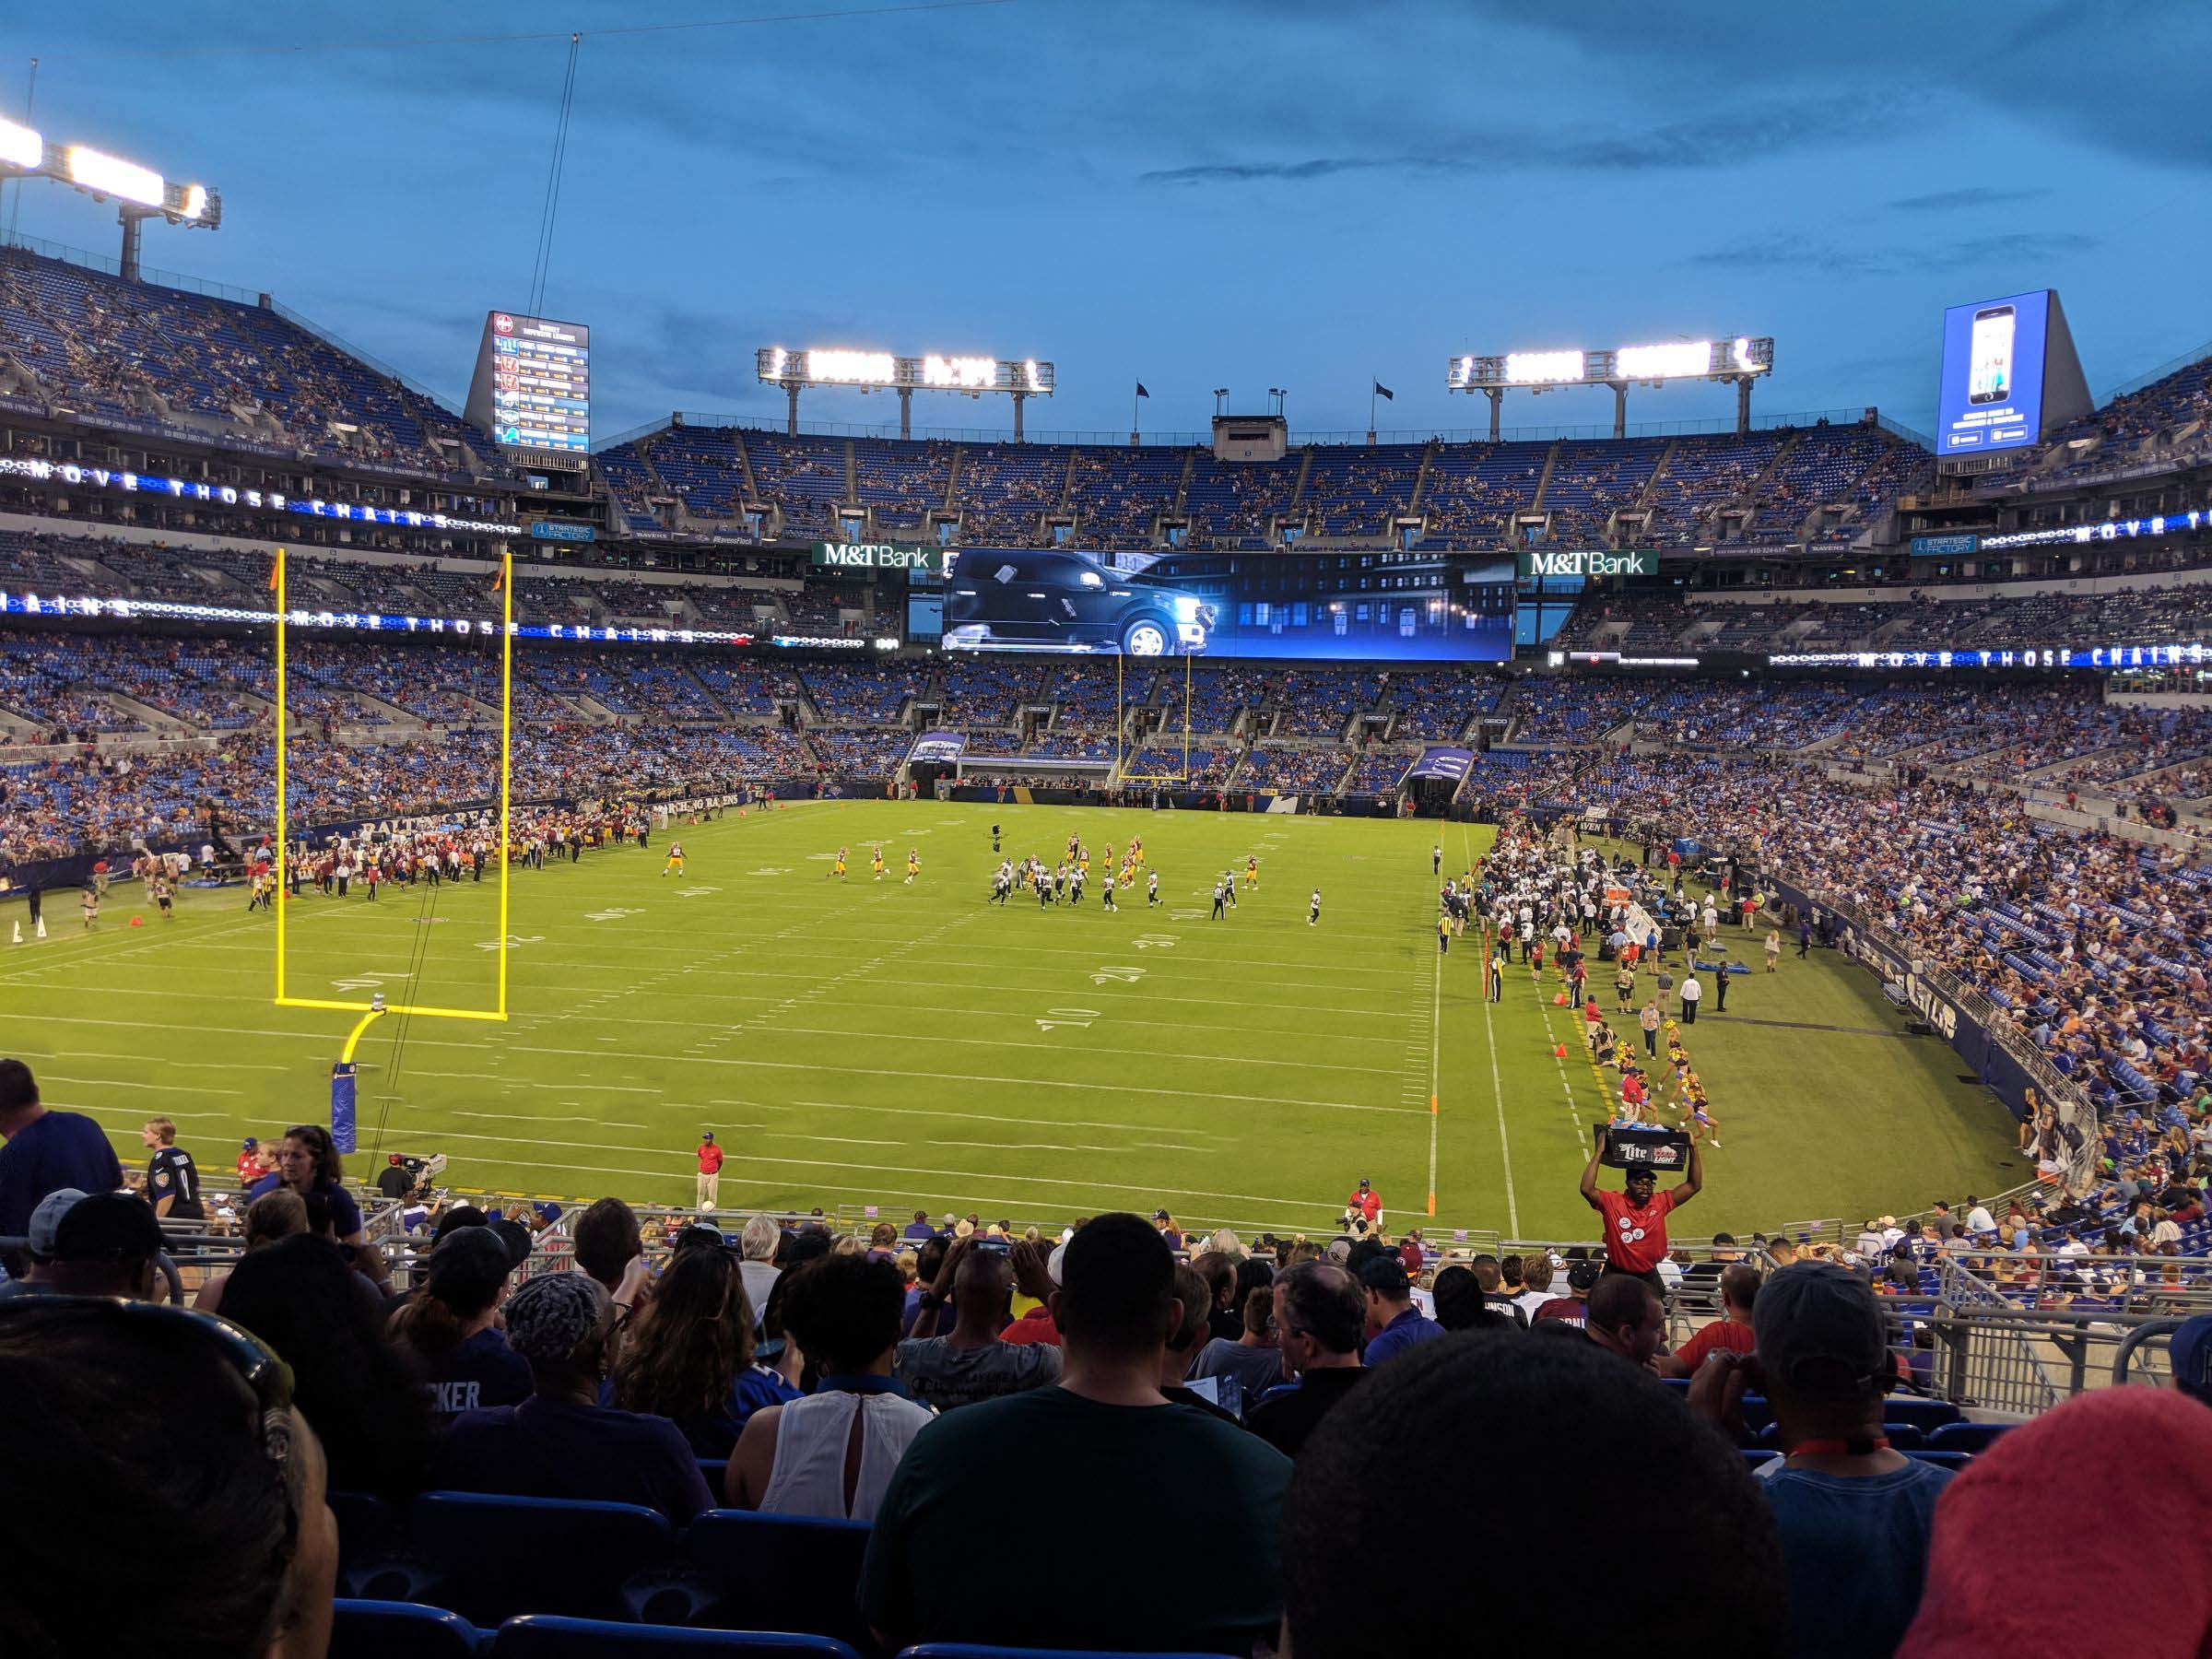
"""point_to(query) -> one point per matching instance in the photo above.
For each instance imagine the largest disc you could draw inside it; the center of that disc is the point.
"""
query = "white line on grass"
(982, 1117)
(748, 1161)
(1490, 1030)
(767, 1029)
(533, 1117)
(671, 994)
(969, 1079)
(1436, 1031)
(157, 1087)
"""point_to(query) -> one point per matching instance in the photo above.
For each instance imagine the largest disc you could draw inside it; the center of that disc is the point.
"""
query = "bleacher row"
(1675, 620)
(1774, 485)
(143, 356)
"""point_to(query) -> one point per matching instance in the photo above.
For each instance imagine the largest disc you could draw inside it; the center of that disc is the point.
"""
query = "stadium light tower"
(140, 193)
(1018, 378)
(1738, 361)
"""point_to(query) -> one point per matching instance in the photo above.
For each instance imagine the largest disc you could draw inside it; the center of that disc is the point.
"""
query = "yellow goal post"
(283, 904)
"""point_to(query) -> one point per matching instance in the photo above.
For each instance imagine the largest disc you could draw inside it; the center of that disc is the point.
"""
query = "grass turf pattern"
(912, 1046)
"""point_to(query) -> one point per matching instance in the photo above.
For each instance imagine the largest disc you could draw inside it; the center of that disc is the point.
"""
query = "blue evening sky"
(1193, 192)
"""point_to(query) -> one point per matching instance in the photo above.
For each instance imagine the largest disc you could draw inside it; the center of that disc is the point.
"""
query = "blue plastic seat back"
(495, 1558)
(1967, 1437)
(542, 1636)
(781, 1572)
(383, 1629)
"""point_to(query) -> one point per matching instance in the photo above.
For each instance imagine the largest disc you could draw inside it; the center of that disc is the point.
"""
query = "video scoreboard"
(532, 390)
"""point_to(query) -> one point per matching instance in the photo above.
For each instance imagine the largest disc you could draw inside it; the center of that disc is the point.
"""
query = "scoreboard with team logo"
(532, 390)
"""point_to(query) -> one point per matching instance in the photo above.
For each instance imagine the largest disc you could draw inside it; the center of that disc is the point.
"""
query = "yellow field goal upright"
(370, 1008)
(1120, 730)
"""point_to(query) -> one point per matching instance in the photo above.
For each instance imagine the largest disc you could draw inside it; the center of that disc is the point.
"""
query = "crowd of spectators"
(1291, 1402)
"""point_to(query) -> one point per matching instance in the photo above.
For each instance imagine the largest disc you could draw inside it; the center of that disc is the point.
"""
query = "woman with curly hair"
(690, 1356)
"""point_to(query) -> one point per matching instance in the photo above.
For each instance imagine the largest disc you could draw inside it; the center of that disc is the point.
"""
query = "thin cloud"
(1711, 141)
(1963, 201)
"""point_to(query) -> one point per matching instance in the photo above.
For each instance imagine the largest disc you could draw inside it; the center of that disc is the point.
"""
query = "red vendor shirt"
(1635, 1237)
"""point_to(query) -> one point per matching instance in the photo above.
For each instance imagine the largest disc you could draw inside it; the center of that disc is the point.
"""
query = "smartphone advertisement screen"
(1383, 607)
(1991, 396)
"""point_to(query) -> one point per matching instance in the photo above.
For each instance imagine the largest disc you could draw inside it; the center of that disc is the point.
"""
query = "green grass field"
(862, 1043)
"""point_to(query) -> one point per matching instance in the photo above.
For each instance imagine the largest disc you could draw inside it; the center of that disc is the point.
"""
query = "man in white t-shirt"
(1978, 1219)
(1692, 993)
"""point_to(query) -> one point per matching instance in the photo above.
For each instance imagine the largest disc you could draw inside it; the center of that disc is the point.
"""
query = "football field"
(912, 1046)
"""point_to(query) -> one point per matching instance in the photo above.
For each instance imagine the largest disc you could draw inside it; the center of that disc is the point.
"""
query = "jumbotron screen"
(1388, 608)
(532, 389)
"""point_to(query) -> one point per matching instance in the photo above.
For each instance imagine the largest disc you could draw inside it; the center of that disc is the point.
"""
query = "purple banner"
(1451, 763)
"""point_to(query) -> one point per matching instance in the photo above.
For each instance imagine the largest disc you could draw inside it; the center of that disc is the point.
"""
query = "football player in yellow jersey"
(913, 865)
(1252, 871)
(837, 869)
(1136, 848)
(876, 859)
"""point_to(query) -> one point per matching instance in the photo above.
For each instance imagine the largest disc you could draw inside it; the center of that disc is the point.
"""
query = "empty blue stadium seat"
(539, 1636)
(384, 1630)
(1948, 1460)
(1966, 1437)
(365, 1527)
(1927, 1415)
(783, 1572)
(1757, 1456)
(494, 1558)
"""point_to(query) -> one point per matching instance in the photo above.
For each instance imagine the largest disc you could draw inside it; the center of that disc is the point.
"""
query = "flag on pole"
(1140, 389)
(499, 577)
(1384, 392)
(276, 570)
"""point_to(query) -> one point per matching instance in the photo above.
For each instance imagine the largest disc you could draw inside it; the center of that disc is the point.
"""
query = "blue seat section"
(386, 1630)
(538, 1636)
(962, 1650)
(495, 1558)
(779, 1572)
(1967, 1437)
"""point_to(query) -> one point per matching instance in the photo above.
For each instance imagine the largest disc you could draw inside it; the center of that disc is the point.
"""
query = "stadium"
(653, 1008)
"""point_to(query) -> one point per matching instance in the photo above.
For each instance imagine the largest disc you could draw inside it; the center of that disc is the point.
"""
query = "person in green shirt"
(1111, 1454)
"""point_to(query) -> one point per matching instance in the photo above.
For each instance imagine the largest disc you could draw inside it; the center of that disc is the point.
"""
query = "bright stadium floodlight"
(139, 192)
(794, 370)
(101, 173)
(1736, 361)
(20, 146)
(1662, 362)
(1544, 368)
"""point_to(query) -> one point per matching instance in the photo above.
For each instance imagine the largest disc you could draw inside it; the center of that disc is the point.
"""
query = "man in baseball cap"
(2190, 1352)
(38, 1244)
(105, 1245)
(1854, 1516)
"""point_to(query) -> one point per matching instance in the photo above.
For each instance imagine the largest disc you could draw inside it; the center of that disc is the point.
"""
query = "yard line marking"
(531, 1117)
(157, 1087)
(1436, 1029)
(822, 1163)
(983, 1117)
(228, 1065)
(1490, 1027)
(477, 1047)
(1058, 1047)
(1070, 1146)
(669, 994)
